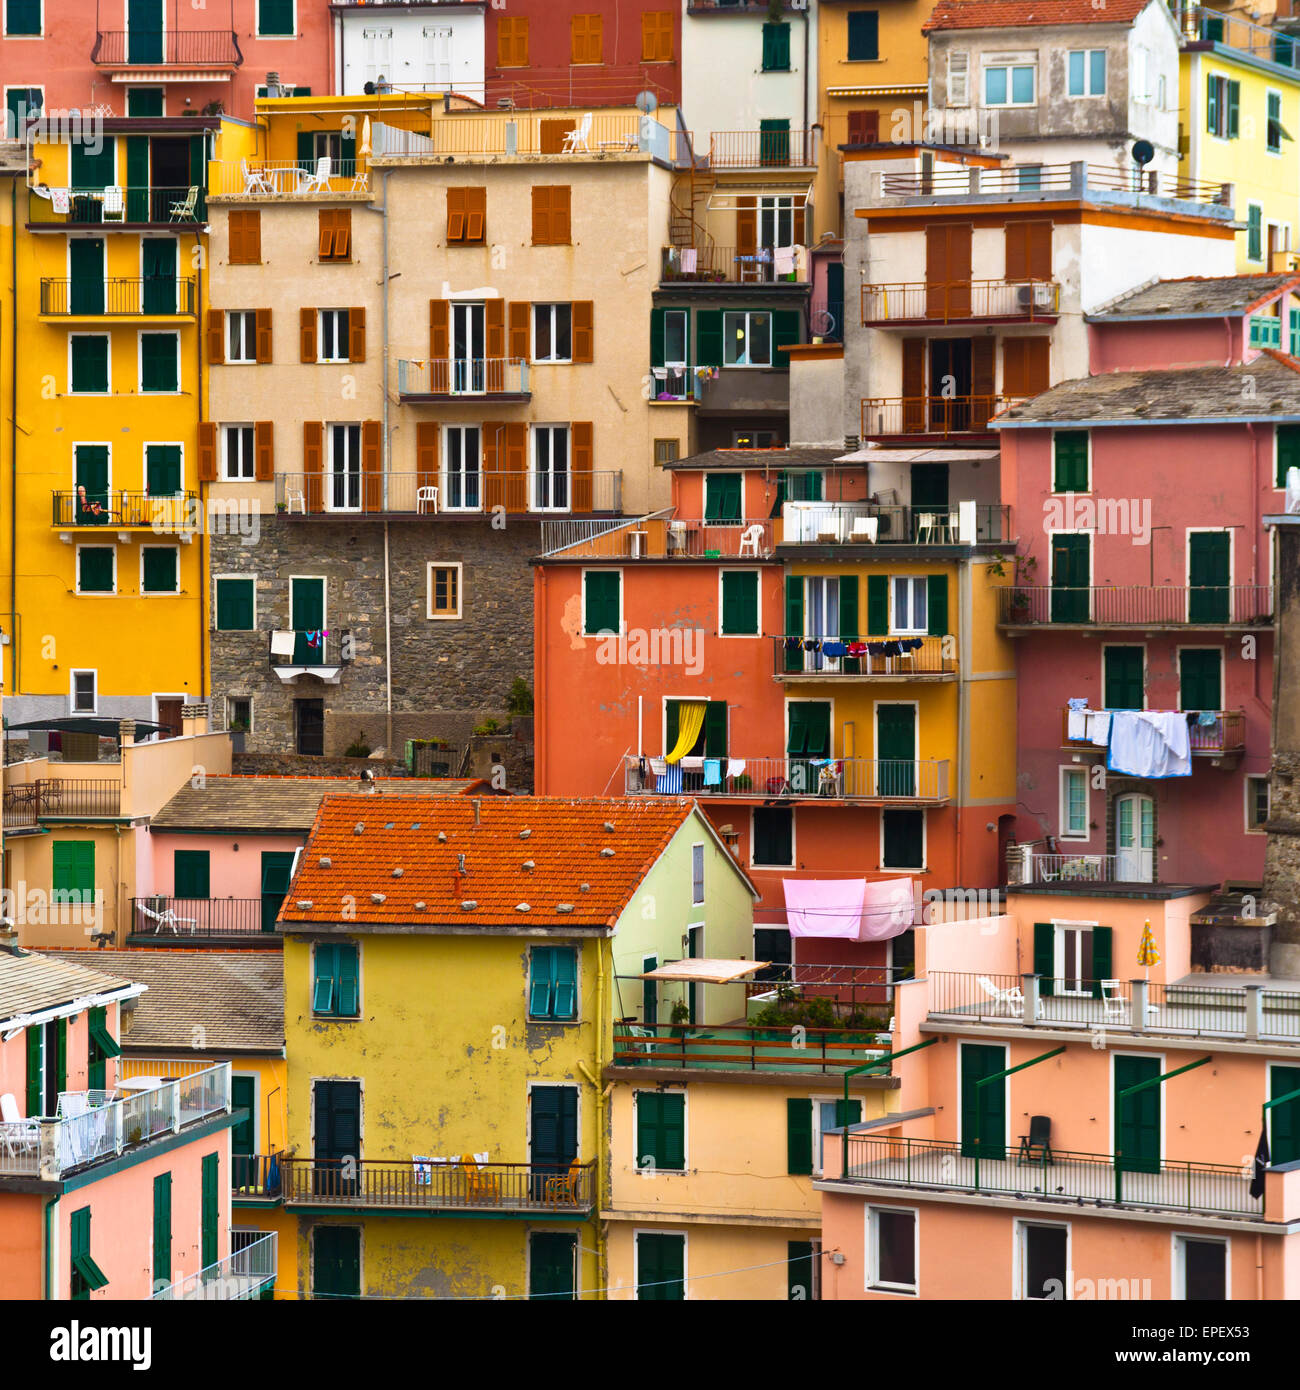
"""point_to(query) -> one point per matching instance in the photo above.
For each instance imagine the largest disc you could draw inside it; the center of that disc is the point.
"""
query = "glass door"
(460, 477)
(467, 349)
(345, 468)
(1135, 839)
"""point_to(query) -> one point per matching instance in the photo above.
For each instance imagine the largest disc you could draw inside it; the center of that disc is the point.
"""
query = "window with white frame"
(237, 451)
(1086, 72)
(460, 469)
(911, 603)
(552, 333)
(333, 337)
(1275, 132)
(1257, 803)
(344, 468)
(891, 1249)
(1010, 84)
(747, 339)
(776, 222)
(1044, 1260)
(550, 468)
(241, 336)
(84, 695)
(1074, 803)
(697, 874)
(1073, 958)
(1200, 1269)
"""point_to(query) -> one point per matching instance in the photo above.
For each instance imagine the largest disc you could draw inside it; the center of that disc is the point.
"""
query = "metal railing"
(181, 917)
(949, 302)
(243, 1274)
(140, 205)
(28, 802)
(438, 1183)
(1175, 1185)
(164, 295)
(178, 512)
(1136, 605)
(1203, 25)
(49, 1148)
(255, 1175)
(724, 265)
(448, 378)
(475, 135)
(192, 48)
(1227, 733)
(1071, 868)
(311, 647)
(802, 655)
(676, 384)
(575, 84)
(352, 494)
(763, 149)
(1071, 179)
(849, 523)
(884, 416)
(727, 1048)
(885, 780)
(285, 178)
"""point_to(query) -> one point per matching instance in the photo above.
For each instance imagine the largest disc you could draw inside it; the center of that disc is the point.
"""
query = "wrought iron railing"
(763, 149)
(434, 494)
(189, 48)
(136, 204)
(1136, 605)
(727, 1048)
(862, 779)
(176, 512)
(802, 655)
(726, 265)
(255, 1175)
(1223, 732)
(29, 802)
(436, 1183)
(448, 378)
(885, 416)
(957, 301)
(285, 178)
(180, 917)
(163, 295)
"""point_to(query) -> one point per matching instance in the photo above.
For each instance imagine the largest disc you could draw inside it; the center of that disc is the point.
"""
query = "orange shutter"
(512, 43)
(1040, 250)
(519, 310)
(584, 330)
(356, 335)
(657, 37)
(494, 487)
(550, 135)
(439, 345)
(246, 237)
(455, 214)
(913, 385)
(264, 451)
(475, 214)
(1017, 251)
(1036, 365)
(207, 452)
(372, 466)
(561, 199)
(983, 403)
(541, 212)
(581, 466)
(1013, 366)
(426, 454)
(306, 335)
(313, 461)
(515, 448)
(494, 318)
(263, 335)
(216, 337)
(746, 226)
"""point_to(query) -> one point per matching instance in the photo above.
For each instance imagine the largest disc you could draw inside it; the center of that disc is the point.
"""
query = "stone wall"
(291, 765)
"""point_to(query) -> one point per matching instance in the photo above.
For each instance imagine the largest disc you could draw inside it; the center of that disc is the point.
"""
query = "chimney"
(194, 719)
(126, 733)
(1282, 851)
(478, 808)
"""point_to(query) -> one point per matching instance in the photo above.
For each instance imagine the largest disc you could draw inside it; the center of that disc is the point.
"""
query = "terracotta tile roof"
(236, 997)
(1015, 14)
(280, 804)
(797, 456)
(1211, 296)
(529, 863)
(39, 980)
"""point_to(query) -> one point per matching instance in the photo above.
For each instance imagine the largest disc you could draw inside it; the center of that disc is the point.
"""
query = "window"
(160, 569)
(902, 837)
(1087, 73)
(602, 601)
(911, 603)
(657, 36)
(241, 336)
(144, 102)
(83, 696)
(160, 362)
(22, 18)
(826, 1116)
(776, 47)
(1222, 107)
(553, 983)
(1200, 679)
(460, 471)
(550, 468)
(891, 1249)
(864, 35)
(236, 604)
(333, 336)
(444, 591)
(1275, 133)
(660, 1267)
(23, 106)
(1123, 677)
(660, 1131)
(1200, 1269)
(89, 358)
(1254, 232)
(246, 237)
(676, 323)
(1074, 965)
(747, 339)
(85, 1275)
(275, 19)
(551, 214)
(667, 451)
(163, 470)
(1287, 439)
(697, 874)
(1070, 461)
(96, 569)
(72, 873)
(512, 43)
(1265, 331)
(864, 127)
(1009, 85)
(772, 842)
(239, 712)
(586, 38)
(343, 469)
(552, 333)
(335, 991)
(958, 77)
(1257, 803)
(466, 216)
(1029, 178)
(335, 234)
(1044, 1261)
(238, 451)
(766, 439)
(1074, 803)
(723, 497)
(739, 603)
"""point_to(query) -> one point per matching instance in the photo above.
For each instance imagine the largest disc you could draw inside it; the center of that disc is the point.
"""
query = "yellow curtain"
(690, 720)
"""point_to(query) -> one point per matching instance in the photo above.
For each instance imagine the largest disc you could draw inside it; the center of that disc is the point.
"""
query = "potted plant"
(680, 1015)
(358, 748)
(1022, 576)
(281, 508)
(743, 783)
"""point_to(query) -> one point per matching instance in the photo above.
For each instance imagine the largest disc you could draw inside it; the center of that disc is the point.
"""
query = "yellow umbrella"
(1147, 953)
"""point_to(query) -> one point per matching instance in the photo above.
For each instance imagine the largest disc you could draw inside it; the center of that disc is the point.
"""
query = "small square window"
(239, 713)
(336, 234)
(336, 977)
(667, 451)
(444, 591)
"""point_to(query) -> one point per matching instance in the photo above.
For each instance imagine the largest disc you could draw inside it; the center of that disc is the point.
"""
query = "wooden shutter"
(455, 214)
(518, 319)
(551, 133)
(35, 1037)
(849, 607)
(356, 335)
(426, 453)
(798, 1131)
(439, 344)
(1013, 366)
(325, 246)
(207, 451)
(864, 127)
(746, 226)
(580, 465)
(372, 466)
(914, 413)
(512, 43)
(1044, 955)
(981, 378)
(493, 483)
(515, 448)
(584, 330)
(947, 270)
(246, 237)
(306, 335)
(657, 37)
(1036, 365)
(1102, 954)
(216, 336)
(494, 317)
(937, 605)
(561, 220)
(1040, 250)
(264, 451)
(263, 335)
(877, 605)
(793, 605)
(1017, 248)
(313, 461)
(551, 220)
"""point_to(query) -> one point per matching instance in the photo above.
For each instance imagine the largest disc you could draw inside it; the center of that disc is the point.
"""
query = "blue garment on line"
(713, 772)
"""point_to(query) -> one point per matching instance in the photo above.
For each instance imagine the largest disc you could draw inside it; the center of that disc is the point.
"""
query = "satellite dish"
(646, 102)
(1143, 152)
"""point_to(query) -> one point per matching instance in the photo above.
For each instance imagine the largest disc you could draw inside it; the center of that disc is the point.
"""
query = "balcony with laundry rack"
(1154, 743)
(839, 659)
(713, 268)
(826, 780)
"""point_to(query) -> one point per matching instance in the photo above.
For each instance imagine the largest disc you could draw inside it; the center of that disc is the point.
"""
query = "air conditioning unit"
(1034, 296)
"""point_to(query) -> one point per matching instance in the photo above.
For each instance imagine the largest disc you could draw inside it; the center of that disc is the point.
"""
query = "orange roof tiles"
(1006, 14)
(531, 862)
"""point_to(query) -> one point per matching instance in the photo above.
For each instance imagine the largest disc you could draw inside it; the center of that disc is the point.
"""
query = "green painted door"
(91, 473)
(1200, 678)
(162, 1230)
(1284, 1120)
(1137, 1118)
(336, 1262)
(337, 1110)
(1208, 568)
(896, 749)
(144, 40)
(553, 1137)
(660, 1268)
(276, 865)
(1123, 670)
(162, 470)
(159, 263)
(800, 1271)
(243, 1137)
(307, 614)
(929, 487)
(86, 270)
(809, 737)
(694, 949)
(211, 1210)
(551, 1265)
(983, 1109)
(1070, 578)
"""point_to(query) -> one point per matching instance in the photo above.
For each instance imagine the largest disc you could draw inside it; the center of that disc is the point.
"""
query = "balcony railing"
(1072, 180)
(1225, 733)
(1067, 868)
(311, 647)
(811, 1051)
(353, 494)
(715, 265)
(50, 1148)
(884, 523)
(256, 1176)
(884, 417)
(1204, 25)
(1136, 605)
(799, 656)
(179, 918)
(192, 48)
(163, 295)
(113, 510)
(961, 301)
(25, 803)
(285, 178)
(676, 384)
(439, 1184)
(248, 1269)
(477, 135)
(138, 205)
(763, 149)
(447, 379)
(1214, 1188)
(886, 781)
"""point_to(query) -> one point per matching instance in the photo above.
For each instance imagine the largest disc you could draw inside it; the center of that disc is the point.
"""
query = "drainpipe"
(49, 1248)
(388, 650)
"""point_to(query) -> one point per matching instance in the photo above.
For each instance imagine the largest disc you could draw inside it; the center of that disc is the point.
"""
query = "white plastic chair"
(1115, 1006)
(114, 204)
(319, 182)
(167, 919)
(1012, 1000)
(19, 1136)
(865, 528)
(297, 495)
(255, 180)
(426, 500)
(751, 539)
(576, 139)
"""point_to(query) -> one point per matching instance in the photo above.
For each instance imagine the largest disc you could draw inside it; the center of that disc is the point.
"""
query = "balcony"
(249, 1268)
(723, 265)
(863, 781)
(158, 920)
(138, 206)
(921, 659)
(107, 1127)
(255, 1178)
(314, 652)
(1071, 181)
(476, 136)
(177, 514)
(729, 1048)
(164, 297)
(501, 380)
(157, 53)
(287, 178)
(763, 149)
(885, 524)
(1150, 606)
(27, 803)
(1224, 737)
(967, 301)
(676, 384)
(932, 418)
(350, 495)
(1202, 25)
(434, 1184)
(1035, 867)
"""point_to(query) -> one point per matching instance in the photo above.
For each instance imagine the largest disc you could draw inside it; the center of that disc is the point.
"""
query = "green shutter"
(90, 363)
(348, 980)
(61, 1054)
(660, 1267)
(1122, 677)
(551, 1265)
(94, 169)
(348, 155)
(322, 990)
(137, 178)
(211, 1210)
(776, 47)
(74, 867)
(96, 1057)
(1101, 958)
(86, 270)
(191, 873)
(794, 605)
(715, 729)
(95, 569)
(878, 605)
(1284, 1120)
(540, 981)
(161, 569)
(35, 1070)
(798, 1136)
(162, 469)
(708, 337)
(848, 607)
(1234, 107)
(1200, 678)
(657, 337)
(739, 603)
(1212, 104)
(159, 362)
(1070, 461)
(848, 1112)
(22, 17)
(799, 1270)
(787, 325)
(86, 1275)
(142, 101)
(162, 1229)
(722, 497)
(235, 605)
(937, 605)
(1045, 955)
(660, 1130)
(275, 19)
(565, 966)
(106, 1045)
(601, 592)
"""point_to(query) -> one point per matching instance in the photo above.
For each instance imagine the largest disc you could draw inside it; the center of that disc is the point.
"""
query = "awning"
(704, 972)
(868, 455)
(328, 674)
(171, 75)
(85, 724)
